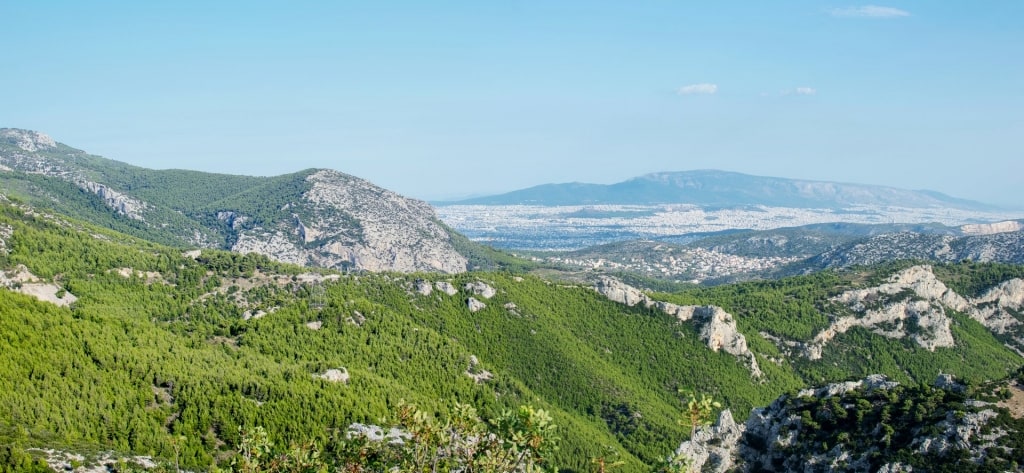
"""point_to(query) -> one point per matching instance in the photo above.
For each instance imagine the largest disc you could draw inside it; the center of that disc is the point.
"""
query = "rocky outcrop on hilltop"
(343, 221)
(868, 425)
(913, 304)
(30, 141)
(717, 328)
(990, 228)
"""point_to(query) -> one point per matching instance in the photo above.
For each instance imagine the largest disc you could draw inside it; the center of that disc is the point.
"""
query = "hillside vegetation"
(146, 350)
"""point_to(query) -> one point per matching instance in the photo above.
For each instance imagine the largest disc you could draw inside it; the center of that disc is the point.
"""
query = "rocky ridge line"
(717, 327)
(913, 304)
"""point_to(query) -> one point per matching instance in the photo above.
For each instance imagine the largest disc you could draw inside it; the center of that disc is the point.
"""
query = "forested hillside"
(145, 349)
(314, 217)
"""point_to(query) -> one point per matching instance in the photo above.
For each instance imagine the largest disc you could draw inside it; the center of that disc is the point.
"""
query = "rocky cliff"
(914, 303)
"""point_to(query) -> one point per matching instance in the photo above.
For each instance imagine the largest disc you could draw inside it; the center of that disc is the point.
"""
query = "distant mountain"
(728, 189)
(314, 217)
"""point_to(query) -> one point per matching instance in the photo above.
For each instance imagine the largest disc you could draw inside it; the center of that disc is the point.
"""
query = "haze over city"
(446, 99)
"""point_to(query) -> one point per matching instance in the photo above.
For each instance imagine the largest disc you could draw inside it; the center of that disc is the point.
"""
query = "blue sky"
(451, 98)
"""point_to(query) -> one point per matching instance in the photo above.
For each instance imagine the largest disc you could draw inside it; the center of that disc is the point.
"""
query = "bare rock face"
(31, 141)
(349, 222)
(5, 233)
(335, 375)
(20, 279)
(913, 304)
(424, 288)
(475, 305)
(397, 233)
(991, 228)
(481, 289)
(620, 292)
(717, 327)
(478, 374)
(995, 308)
(714, 448)
(118, 201)
(446, 287)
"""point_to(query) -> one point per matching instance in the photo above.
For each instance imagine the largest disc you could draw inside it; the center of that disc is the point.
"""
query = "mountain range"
(712, 188)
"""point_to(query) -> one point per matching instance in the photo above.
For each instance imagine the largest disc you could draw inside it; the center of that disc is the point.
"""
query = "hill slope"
(314, 217)
(728, 189)
(108, 342)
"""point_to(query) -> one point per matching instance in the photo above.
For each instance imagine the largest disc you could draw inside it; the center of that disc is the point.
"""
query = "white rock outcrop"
(20, 279)
(446, 287)
(120, 202)
(339, 375)
(31, 141)
(481, 289)
(913, 304)
(423, 288)
(478, 374)
(992, 228)
(474, 305)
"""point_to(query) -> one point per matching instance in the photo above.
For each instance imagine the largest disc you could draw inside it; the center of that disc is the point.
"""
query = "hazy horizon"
(441, 101)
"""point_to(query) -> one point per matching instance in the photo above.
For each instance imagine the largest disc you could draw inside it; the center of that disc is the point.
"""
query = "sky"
(446, 99)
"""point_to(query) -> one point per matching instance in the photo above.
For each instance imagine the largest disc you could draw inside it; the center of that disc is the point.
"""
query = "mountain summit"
(316, 217)
(721, 188)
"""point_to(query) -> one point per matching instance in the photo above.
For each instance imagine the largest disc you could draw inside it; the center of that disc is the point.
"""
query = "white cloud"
(805, 91)
(869, 11)
(704, 88)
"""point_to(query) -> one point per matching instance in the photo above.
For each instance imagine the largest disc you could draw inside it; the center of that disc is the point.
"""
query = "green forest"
(179, 358)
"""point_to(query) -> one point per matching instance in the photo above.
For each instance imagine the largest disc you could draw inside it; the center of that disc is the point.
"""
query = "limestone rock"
(475, 305)
(478, 374)
(446, 287)
(991, 228)
(375, 433)
(913, 304)
(20, 279)
(714, 448)
(481, 289)
(620, 292)
(120, 202)
(424, 288)
(30, 141)
(335, 375)
(947, 382)
(887, 311)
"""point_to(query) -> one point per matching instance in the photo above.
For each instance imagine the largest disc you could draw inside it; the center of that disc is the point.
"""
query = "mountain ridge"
(709, 187)
(315, 217)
